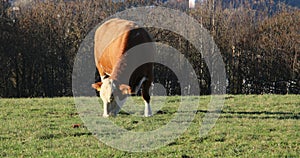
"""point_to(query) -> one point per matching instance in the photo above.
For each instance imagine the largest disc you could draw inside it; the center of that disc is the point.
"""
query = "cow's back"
(112, 40)
(110, 43)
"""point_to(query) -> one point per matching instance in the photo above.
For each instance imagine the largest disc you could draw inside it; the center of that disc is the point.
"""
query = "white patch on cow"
(105, 114)
(106, 90)
(102, 78)
(105, 94)
(147, 112)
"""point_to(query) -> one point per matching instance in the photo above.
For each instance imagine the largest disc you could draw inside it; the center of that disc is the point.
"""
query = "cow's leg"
(146, 97)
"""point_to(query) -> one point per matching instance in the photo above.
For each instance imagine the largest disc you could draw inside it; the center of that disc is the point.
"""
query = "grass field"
(249, 126)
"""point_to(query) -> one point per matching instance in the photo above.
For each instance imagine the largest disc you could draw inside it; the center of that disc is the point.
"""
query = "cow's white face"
(113, 96)
(108, 97)
(106, 90)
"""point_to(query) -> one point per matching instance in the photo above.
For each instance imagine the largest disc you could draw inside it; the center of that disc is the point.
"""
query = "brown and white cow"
(114, 61)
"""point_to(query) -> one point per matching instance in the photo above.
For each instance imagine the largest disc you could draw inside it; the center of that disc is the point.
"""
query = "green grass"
(249, 126)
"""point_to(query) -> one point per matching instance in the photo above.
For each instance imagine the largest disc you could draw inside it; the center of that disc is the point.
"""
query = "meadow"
(248, 126)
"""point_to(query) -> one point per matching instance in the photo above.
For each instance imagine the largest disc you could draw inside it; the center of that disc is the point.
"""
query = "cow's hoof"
(149, 115)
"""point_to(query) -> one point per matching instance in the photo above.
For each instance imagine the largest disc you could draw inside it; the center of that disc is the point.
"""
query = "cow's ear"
(97, 86)
(125, 89)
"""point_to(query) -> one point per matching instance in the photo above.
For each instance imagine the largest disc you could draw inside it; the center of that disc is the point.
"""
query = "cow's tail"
(140, 84)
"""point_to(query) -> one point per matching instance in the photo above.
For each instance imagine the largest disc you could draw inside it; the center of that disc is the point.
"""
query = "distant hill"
(293, 3)
(272, 7)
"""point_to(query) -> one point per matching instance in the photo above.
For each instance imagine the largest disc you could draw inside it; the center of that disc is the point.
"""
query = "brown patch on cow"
(97, 86)
(125, 89)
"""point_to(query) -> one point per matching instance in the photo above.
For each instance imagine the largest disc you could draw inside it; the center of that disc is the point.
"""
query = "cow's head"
(112, 94)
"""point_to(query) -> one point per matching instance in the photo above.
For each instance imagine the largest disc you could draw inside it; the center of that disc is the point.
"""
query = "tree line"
(260, 45)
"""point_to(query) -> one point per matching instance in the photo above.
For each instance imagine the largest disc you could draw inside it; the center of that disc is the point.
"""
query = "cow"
(112, 42)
